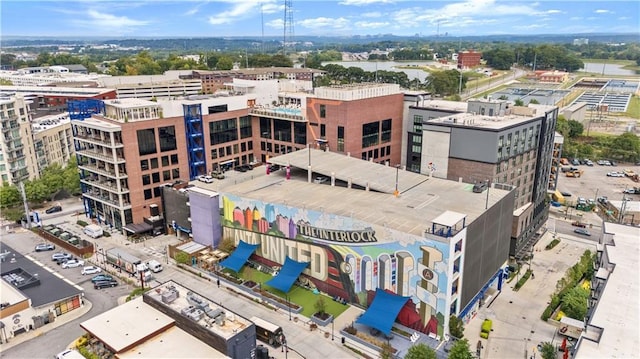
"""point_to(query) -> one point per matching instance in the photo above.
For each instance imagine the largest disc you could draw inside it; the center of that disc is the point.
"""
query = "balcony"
(99, 156)
(14, 158)
(106, 200)
(105, 185)
(102, 171)
(12, 126)
(98, 141)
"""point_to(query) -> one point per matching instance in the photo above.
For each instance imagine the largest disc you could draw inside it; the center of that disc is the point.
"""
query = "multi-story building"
(495, 142)
(468, 59)
(52, 140)
(54, 98)
(556, 166)
(215, 80)
(17, 157)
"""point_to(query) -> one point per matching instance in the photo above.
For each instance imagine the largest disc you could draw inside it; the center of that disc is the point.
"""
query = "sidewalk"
(61, 320)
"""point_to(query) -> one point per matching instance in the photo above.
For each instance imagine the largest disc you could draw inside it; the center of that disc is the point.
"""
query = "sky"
(227, 18)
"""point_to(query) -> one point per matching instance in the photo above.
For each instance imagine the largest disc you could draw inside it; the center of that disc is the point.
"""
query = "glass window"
(300, 133)
(385, 133)
(146, 142)
(154, 163)
(223, 131)
(340, 138)
(265, 127)
(370, 133)
(147, 194)
(155, 177)
(157, 192)
(214, 154)
(323, 130)
(165, 161)
(144, 165)
(146, 179)
(174, 159)
(245, 127)
(323, 111)
(282, 130)
(176, 173)
(167, 138)
(166, 175)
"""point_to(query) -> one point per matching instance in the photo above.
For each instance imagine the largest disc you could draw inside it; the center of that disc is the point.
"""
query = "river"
(607, 69)
(372, 66)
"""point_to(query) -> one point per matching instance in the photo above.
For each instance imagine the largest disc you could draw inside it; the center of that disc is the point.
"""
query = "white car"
(91, 270)
(615, 174)
(205, 179)
(73, 263)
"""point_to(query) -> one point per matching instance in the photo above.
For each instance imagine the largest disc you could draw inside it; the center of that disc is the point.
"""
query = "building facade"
(17, 157)
(53, 140)
(496, 142)
(468, 59)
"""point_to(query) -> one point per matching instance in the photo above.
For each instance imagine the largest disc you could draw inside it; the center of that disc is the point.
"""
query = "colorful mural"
(349, 258)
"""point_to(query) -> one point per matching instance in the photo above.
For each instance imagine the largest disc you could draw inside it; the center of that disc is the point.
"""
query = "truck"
(123, 260)
(575, 173)
(93, 231)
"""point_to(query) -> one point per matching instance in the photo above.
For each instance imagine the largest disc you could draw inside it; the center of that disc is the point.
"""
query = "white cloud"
(371, 24)
(575, 18)
(276, 23)
(109, 23)
(272, 8)
(364, 2)
(602, 11)
(624, 18)
(320, 23)
(554, 11)
(242, 9)
(371, 14)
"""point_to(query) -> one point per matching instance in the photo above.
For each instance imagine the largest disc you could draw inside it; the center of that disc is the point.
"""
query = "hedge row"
(523, 280)
(552, 244)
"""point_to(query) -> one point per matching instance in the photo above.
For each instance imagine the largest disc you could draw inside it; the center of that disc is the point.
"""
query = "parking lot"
(594, 183)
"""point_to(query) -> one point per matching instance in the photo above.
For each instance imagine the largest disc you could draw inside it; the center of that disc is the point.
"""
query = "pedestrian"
(533, 276)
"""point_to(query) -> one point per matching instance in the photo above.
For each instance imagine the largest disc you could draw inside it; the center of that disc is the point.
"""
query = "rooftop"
(127, 325)
(51, 121)
(618, 309)
(125, 103)
(444, 105)
(50, 287)
(200, 310)
(421, 200)
(483, 121)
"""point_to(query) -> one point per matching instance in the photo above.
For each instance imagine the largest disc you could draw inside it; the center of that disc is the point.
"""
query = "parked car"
(565, 193)
(579, 224)
(615, 174)
(205, 179)
(45, 247)
(588, 163)
(479, 187)
(105, 284)
(90, 270)
(582, 231)
(61, 255)
(575, 162)
(73, 263)
(101, 277)
(53, 209)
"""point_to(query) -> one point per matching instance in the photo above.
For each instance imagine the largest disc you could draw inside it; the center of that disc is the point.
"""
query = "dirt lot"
(595, 183)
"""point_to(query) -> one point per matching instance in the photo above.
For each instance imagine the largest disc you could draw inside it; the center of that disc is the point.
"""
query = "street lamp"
(289, 305)
(396, 193)
(332, 328)
(218, 274)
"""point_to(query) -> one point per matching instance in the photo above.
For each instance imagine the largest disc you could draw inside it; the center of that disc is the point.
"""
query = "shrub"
(82, 223)
(106, 234)
(552, 244)
(351, 330)
(523, 280)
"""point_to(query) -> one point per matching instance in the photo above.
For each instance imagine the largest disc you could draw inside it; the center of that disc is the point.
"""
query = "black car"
(53, 209)
(101, 278)
(105, 284)
(479, 187)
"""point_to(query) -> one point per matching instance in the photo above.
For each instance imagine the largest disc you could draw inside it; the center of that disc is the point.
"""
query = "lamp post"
(218, 274)
(289, 305)
(332, 328)
(396, 193)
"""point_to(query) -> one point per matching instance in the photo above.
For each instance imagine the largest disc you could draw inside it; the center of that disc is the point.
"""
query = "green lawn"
(298, 295)
(633, 110)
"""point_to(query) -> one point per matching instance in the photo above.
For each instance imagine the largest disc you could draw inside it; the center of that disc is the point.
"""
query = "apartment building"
(215, 80)
(53, 140)
(468, 59)
(17, 156)
(55, 98)
(496, 143)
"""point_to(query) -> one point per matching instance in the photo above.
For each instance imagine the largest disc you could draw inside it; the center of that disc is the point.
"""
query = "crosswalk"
(152, 252)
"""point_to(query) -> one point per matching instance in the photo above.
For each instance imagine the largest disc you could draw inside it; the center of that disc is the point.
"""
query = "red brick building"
(468, 59)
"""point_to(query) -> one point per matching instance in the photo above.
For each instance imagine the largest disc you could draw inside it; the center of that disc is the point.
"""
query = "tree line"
(541, 57)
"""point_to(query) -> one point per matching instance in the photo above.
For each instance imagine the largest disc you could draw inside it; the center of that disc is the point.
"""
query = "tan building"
(17, 156)
(53, 140)
(215, 80)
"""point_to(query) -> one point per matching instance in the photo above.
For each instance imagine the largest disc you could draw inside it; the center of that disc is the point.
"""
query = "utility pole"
(26, 205)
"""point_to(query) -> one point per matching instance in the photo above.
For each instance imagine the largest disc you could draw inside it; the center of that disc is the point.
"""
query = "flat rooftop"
(618, 309)
(127, 325)
(199, 309)
(172, 343)
(483, 121)
(421, 200)
(131, 103)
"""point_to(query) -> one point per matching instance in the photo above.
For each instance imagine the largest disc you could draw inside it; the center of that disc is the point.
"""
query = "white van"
(93, 231)
(69, 354)
(155, 266)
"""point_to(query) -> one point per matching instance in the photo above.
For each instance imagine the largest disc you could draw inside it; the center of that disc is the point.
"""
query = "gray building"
(496, 142)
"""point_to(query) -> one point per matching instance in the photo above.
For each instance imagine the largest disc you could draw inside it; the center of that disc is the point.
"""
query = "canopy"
(138, 228)
(289, 272)
(383, 311)
(239, 257)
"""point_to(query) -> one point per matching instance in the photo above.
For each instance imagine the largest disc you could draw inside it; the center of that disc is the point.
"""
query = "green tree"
(224, 63)
(548, 351)
(456, 327)
(9, 195)
(627, 146)
(518, 102)
(574, 303)
(575, 128)
(72, 177)
(534, 101)
(320, 305)
(446, 82)
(182, 258)
(500, 59)
(460, 350)
(420, 351)
(36, 191)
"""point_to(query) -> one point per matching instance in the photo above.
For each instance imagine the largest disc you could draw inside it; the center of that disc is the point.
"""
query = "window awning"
(137, 228)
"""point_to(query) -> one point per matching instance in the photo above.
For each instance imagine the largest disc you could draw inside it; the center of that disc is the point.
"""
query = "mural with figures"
(349, 258)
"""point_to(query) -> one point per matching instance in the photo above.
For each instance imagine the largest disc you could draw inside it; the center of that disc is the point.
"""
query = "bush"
(552, 244)
(523, 280)
(106, 234)
(82, 223)
(351, 330)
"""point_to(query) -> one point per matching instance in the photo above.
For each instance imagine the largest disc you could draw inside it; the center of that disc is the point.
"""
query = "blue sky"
(218, 18)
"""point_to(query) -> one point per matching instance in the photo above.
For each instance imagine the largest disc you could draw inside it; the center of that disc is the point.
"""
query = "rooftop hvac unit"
(169, 296)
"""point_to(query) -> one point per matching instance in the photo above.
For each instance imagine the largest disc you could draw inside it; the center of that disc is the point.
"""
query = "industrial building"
(437, 241)
(492, 141)
(171, 321)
